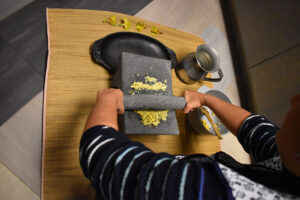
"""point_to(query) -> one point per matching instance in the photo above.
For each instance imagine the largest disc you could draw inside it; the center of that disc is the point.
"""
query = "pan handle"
(97, 55)
(173, 58)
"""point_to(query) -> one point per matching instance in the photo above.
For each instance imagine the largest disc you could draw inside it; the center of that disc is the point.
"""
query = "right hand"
(193, 100)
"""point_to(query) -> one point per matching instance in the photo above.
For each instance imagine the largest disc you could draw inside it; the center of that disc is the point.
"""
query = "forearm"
(103, 113)
(231, 116)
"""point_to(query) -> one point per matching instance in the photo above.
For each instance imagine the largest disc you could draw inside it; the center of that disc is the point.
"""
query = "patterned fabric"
(121, 169)
(257, 136)
(272, 163)
(244, 188)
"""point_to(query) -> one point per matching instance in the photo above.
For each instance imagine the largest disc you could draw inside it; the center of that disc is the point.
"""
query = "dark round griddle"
(106, 51)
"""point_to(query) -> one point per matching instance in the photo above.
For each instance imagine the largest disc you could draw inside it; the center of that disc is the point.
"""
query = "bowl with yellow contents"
(200, 123)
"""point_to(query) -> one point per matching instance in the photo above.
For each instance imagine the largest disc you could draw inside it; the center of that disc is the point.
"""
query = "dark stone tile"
(129, 7)
(274, 82)
(31, 44)
(22, 19)
(18, 81)
(9, 7)
(26, 32)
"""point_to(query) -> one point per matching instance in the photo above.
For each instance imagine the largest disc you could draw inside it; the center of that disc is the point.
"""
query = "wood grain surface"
(72, 81)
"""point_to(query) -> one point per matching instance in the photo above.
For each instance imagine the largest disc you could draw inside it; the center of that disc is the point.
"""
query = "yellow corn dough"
(150, 117)
(154, 86)
(145, 86)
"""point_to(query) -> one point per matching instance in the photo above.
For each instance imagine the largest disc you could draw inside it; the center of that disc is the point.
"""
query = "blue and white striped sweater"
(257, 136)
(121, 169)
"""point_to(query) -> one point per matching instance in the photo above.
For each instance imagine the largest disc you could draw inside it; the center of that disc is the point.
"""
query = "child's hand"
(193, 100)
(111, 96)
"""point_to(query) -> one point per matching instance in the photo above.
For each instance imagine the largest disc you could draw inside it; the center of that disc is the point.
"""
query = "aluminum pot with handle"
(195, 66)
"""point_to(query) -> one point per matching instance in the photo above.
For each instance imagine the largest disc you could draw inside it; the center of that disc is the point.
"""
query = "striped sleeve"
(257, 136)
(121, 169)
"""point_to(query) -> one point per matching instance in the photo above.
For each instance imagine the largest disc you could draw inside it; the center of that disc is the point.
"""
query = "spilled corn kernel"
(125, 23)
(155, 31)
(206, 126)
(140, 26)
(111, 20)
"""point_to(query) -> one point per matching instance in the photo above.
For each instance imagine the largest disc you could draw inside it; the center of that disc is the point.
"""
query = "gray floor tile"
(9, 7)
(18, 81)
(12, 188)
(21, 142)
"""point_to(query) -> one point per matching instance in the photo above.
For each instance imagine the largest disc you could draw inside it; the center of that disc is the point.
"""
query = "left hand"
(112, 96)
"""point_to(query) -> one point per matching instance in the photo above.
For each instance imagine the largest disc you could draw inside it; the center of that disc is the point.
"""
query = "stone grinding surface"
(136, 68)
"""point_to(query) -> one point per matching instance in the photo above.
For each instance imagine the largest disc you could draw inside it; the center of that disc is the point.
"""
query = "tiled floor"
(20, 136)
(19, 82)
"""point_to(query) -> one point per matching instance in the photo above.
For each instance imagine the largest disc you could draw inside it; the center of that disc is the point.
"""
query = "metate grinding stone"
(135, 68)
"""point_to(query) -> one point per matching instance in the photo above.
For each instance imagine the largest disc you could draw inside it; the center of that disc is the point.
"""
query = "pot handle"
(215, 79)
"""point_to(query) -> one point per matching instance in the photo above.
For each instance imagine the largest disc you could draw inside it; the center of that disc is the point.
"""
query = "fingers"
(186, 109)
(192, 100)
(121, 109)
(190, 107)
(110, 91)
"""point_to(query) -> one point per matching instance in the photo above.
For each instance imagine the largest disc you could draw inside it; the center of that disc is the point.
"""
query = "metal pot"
(195, 66)
(195, 117)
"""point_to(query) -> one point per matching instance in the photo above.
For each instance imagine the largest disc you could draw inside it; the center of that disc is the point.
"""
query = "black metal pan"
(107, 50)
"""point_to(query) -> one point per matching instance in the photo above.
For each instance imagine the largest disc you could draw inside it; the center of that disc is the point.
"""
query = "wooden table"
(72, 81)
